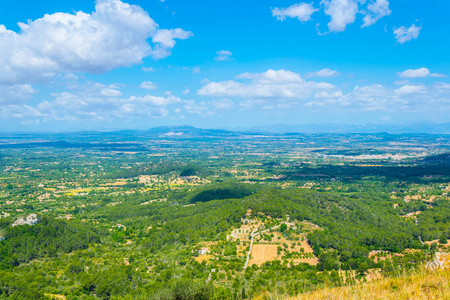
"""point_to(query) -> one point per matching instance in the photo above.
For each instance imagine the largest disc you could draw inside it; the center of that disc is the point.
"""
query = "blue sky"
(110, 64)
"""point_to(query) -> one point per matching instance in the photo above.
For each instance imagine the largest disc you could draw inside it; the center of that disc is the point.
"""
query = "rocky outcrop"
(29, 220)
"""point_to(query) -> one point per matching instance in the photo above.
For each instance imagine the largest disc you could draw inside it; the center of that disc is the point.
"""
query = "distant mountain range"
(190, 131)
(186, 131)
(431, 128)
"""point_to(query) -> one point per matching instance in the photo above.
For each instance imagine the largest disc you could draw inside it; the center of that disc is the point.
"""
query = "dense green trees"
(225, 190)
(348, 225)
(45, 239)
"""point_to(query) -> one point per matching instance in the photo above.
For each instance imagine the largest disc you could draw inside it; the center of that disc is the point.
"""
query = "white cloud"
(223, 55)
(418, 73)
(273, 89)
(17, 93)
(401, 82)
(328, 95)
(22, 112)
(194, 70)
(154, 100)
(70, 76)
(376, 97)
(79, 106)
(186, 91)
(272, 77)
(301, 11)
(252, 103)
(368, 98)
(148, 69)
(376, 10)
(165, 40)
(410, 89)
(92, 101)
(370, 94)
(201, 108)
(110, 91)
(223, 104)
(147, 85)
(114, 35)
(438, 75)
(279, 85)
(324, 73)
(405, 34)
(342, 13)
(208, 108)
(441, 85)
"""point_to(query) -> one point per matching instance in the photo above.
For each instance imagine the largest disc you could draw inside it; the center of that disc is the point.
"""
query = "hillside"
(422, 284)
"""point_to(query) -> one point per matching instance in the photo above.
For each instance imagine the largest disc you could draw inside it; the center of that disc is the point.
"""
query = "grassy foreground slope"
(423, 283)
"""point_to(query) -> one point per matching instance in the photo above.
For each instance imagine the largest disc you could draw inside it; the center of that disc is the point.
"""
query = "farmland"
(149, 214)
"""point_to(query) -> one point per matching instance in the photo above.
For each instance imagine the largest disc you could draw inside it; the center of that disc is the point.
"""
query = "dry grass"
(422, 283)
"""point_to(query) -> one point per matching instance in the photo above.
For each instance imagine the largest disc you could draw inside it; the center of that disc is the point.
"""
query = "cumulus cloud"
(366, 98)
(301, 11)
(273, 89)
(376, 97)
(407, 98)
(376, 10)
(278, 85)
(19, 111)
(207, 108)
(201, 108)
(74, 106)
(223, 55)
(272, 77)
(17, 93)
(409, 89)
(147, 85)
(324, 73)
(405, 34)
(92, 101)
(114, 35)
(164, 40)
(342, 13)
(372, 96)
(418, 73)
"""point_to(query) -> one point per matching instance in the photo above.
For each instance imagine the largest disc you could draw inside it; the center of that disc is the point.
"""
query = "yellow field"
(262, 253)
